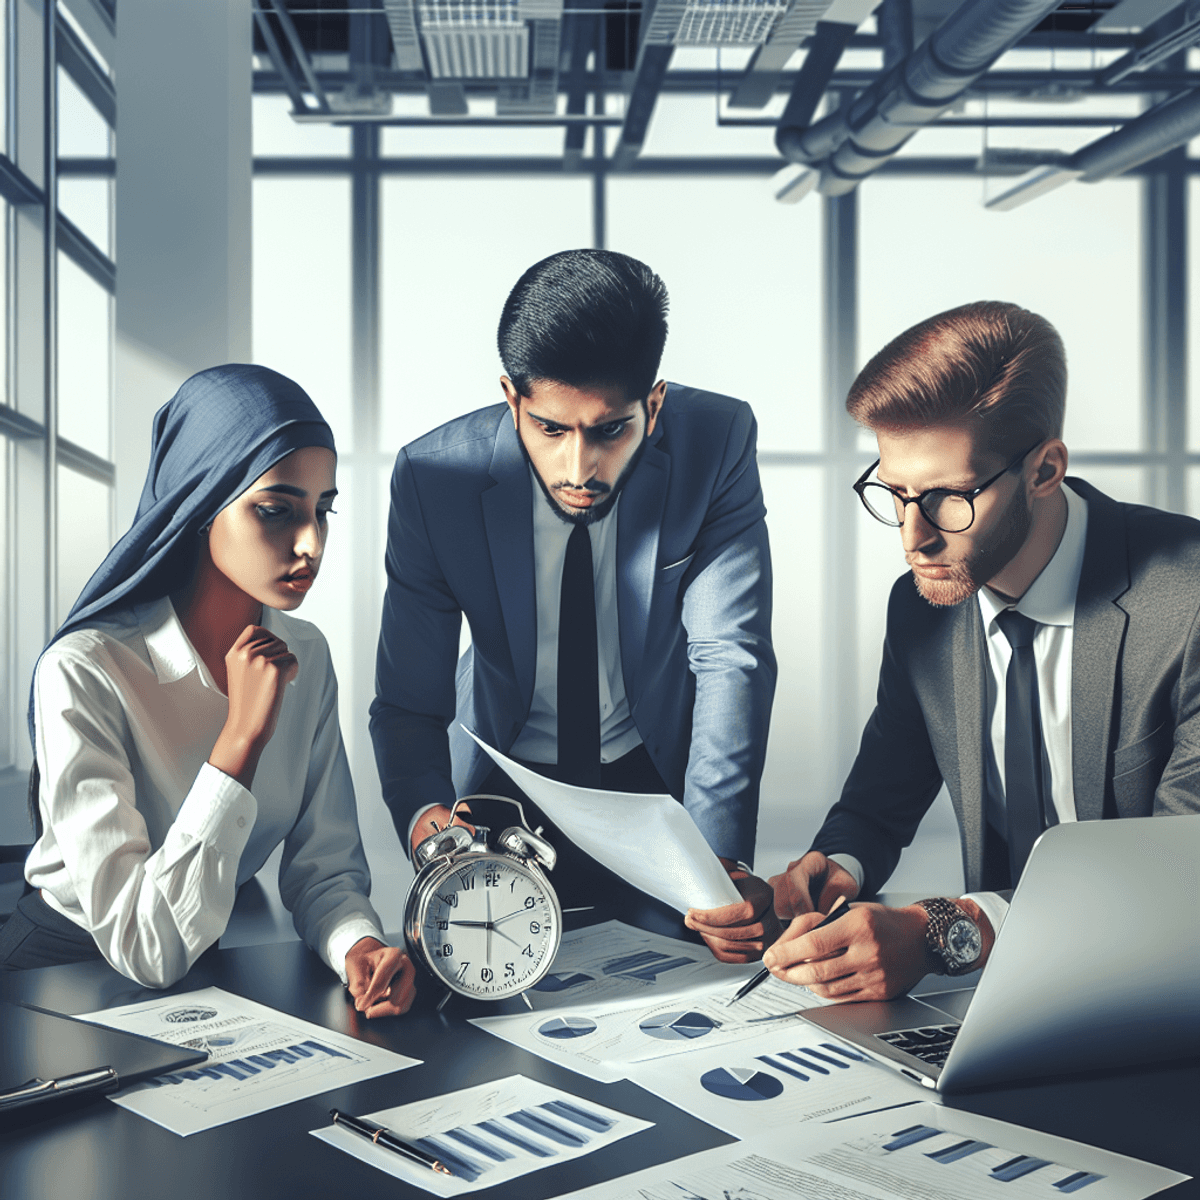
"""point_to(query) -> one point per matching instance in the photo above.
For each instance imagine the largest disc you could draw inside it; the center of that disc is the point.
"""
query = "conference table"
(87, 1148)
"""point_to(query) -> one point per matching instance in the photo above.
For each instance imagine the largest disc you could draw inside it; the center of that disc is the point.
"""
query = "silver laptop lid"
(1098, 961)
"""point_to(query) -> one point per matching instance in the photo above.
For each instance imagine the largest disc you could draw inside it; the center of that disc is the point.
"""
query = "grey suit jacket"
(693, 603)
(1135, 697)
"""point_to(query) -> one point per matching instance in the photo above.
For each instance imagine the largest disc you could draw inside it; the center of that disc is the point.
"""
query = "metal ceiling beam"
(831, 25)
(279, 7)
(282, 67)
(583, 41)
(75, 58)
(648, 80)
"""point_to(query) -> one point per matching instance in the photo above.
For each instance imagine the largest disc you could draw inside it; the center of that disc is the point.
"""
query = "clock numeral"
(450, 899)
(528, 951)
(466, 879)
(512, 886)
(486, 975)
(491, 878)
(462, 970)
(447, 950)
(534, 927)
(509, 970)
(443, 924)
(530, 901)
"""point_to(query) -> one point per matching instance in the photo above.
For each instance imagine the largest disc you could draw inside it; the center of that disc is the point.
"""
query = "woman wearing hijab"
(183, 726)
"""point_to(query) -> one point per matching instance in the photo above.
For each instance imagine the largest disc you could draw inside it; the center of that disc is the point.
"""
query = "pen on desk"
(840, 909)
(389, 1141)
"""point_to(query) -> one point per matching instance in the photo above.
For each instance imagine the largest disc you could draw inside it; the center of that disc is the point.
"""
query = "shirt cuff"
(218, 811)
(994, 907)
(849, 863)
(344, 936)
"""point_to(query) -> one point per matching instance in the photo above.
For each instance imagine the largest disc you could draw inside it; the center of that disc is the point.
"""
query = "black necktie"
(1023, 785)
(578, 667)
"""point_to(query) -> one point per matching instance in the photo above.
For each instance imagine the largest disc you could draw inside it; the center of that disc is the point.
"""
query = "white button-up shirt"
(145, 843)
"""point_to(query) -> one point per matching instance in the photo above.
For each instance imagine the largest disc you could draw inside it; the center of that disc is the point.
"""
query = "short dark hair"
(990, 362)
(586, 318)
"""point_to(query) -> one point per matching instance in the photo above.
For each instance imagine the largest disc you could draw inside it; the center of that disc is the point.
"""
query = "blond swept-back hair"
(988, 362)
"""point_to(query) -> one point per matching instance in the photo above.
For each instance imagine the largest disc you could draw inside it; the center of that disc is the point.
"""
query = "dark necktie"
(578, 667)
(1024, 799)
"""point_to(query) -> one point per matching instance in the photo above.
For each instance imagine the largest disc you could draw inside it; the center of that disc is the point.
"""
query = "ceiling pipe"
(1163, 128)
(824, 52)
(857, 139)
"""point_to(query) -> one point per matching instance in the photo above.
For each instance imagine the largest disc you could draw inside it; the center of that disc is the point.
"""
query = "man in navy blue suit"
(603, 533)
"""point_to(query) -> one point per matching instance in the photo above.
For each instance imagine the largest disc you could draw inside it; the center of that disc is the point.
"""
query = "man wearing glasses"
(1045, 668)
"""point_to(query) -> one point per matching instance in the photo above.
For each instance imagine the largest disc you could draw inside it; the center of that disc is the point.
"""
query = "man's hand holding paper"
(738, 933)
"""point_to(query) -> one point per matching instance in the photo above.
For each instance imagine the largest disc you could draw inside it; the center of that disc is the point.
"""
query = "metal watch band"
(942, 914)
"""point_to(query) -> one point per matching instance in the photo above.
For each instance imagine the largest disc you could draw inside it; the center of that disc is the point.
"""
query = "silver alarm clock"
(483, 920)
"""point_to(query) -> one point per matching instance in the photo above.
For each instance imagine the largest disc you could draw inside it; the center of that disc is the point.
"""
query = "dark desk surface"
(96, 1149)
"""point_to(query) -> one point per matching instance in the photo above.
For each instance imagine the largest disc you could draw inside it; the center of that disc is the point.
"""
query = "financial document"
(258, 1059)
(778, 1079)
(602, 1041)
(919, 1152)
(649, 841)
(613, 962)
(488, 1134)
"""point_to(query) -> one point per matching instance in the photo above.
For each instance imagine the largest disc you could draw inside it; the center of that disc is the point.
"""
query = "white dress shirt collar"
(1050, 599)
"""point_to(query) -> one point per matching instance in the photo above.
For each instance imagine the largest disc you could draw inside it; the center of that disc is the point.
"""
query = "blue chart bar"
(478, 1145)
(505, 1135)
(826, 1058)
(778, 1066)
(1080, 1179)
(580, 1116)
(466, 1168)
(621, 966)
(959, 1150)
(844, 1052)
(1018, 1167)
(910, 1136)
(545, 1128)
(806, 1063)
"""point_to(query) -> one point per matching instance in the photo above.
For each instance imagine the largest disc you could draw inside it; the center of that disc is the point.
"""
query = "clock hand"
(488, 949)
(473, 924)
(506, 937)
(509, 916)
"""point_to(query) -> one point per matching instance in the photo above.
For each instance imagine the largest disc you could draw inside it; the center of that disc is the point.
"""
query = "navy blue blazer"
(693, 605)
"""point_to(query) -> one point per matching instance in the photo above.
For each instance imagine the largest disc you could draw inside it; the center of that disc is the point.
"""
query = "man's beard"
(967, 575)
(597, 512)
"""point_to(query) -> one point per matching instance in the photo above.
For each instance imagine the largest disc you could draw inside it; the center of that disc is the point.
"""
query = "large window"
(56, 473)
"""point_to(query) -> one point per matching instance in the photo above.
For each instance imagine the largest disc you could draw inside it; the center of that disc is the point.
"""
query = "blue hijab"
(223, 429)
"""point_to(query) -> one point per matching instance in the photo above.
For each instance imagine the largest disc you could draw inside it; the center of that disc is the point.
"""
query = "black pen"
(389, 1141)
(840, 909)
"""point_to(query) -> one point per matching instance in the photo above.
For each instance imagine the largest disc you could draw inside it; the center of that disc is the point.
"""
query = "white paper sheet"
(851, 1160)
(496, 1132)
(649, 841)
(778, 1079)
(602, 1042)
(613, 963)
(258, 1059)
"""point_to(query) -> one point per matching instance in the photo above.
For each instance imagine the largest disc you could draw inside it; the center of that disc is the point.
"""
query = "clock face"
(964, 942)
(486, 925)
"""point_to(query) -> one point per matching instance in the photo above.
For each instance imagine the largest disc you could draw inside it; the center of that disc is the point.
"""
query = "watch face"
(485, 925)
(963, 942)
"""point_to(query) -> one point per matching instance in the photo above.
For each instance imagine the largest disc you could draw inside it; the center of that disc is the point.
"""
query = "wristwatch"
(953, 942)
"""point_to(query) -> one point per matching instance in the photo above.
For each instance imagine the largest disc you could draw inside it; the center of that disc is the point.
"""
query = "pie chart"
(678, 1026)
(561, 981)
(563, 1028)
(741, 1083)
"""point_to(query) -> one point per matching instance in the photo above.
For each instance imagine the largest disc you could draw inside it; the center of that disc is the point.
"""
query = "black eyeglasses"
(945, 509)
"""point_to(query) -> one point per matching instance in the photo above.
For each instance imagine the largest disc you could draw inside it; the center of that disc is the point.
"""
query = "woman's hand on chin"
(258, 668)
(381, 979)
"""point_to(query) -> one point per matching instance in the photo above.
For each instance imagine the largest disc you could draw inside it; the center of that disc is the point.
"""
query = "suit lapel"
(969, 703)
(639, 519)
(507, 517)
(1099, 631)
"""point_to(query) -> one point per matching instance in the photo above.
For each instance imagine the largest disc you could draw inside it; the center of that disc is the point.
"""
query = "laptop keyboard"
(931, 1044)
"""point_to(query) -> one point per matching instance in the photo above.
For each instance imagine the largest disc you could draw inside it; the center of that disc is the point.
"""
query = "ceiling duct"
(1166, 127)
(856, 140)
(713, 22)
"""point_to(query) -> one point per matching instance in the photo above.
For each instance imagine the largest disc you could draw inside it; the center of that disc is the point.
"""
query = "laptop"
(1097, 965)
